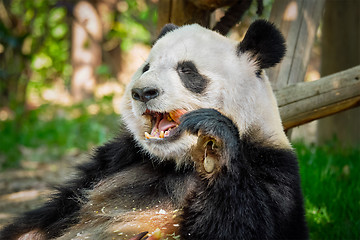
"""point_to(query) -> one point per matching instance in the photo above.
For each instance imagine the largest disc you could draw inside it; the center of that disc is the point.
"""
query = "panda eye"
(146, 68)
(186, 70)
(186, 67)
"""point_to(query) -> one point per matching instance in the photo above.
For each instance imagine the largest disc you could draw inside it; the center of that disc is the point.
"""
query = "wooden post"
(341, 50)
(298, 21)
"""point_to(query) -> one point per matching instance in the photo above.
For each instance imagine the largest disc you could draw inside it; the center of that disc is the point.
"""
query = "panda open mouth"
(163, 124)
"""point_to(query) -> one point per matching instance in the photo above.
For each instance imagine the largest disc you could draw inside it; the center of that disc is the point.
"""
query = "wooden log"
(307, 101)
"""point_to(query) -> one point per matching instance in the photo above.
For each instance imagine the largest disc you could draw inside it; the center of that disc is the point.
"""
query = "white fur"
(233, 89)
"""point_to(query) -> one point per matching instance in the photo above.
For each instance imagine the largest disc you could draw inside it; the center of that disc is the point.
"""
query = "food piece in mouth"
(163, 123)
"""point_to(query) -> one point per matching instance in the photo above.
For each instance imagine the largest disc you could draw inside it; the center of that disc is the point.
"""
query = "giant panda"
(201, 153)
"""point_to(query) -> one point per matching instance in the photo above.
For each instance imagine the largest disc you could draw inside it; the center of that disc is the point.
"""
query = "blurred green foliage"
(39, 32)
(47, 40)
(135, 21)
(35, 36)
(55, 130)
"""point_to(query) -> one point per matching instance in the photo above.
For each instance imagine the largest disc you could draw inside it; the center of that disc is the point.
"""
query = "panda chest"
(127, 204)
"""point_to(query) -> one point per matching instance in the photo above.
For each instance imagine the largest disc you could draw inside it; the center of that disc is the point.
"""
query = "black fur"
(166, 29)
(191, 78)
(255, 195)
(232, 16)
(146, 68)
(265, 43)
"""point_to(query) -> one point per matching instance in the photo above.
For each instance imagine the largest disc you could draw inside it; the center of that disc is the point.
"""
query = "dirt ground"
(30, 185)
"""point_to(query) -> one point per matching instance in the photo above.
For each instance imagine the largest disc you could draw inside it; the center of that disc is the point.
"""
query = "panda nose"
(144, 94)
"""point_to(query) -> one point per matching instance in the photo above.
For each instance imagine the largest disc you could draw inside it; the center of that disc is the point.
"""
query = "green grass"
(331, 185)
(330, 174)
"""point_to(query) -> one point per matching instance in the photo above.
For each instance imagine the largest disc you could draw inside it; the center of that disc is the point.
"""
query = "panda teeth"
(162, 134)
(148, 136)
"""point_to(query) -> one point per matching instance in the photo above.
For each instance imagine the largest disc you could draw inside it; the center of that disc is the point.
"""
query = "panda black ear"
(166, 29)
(265, 43)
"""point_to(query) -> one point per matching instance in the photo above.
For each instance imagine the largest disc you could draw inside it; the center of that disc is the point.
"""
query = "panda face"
(187, 69)
(174, 80)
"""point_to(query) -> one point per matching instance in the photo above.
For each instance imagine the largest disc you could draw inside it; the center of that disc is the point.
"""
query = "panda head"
(191, 67)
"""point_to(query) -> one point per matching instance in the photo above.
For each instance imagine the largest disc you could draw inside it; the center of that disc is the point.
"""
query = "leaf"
(56, 15)
(41, 61)
(59, 31)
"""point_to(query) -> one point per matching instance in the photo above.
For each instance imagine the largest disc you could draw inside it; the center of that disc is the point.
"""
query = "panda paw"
(218, 139)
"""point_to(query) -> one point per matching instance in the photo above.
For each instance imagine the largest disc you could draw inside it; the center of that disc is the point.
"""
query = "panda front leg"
(209, 212)
(230, 199)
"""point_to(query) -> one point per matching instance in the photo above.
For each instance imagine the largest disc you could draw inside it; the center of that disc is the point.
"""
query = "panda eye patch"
(190, 77)
(146, 68)
(187, 67)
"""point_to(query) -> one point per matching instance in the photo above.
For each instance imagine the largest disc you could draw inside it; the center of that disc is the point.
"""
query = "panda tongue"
(165, 124)
(162, 124)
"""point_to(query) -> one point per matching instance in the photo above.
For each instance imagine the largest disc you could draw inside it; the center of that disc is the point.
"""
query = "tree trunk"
(340, 50)
(181, 12)
(13, 63)
(86, 49)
